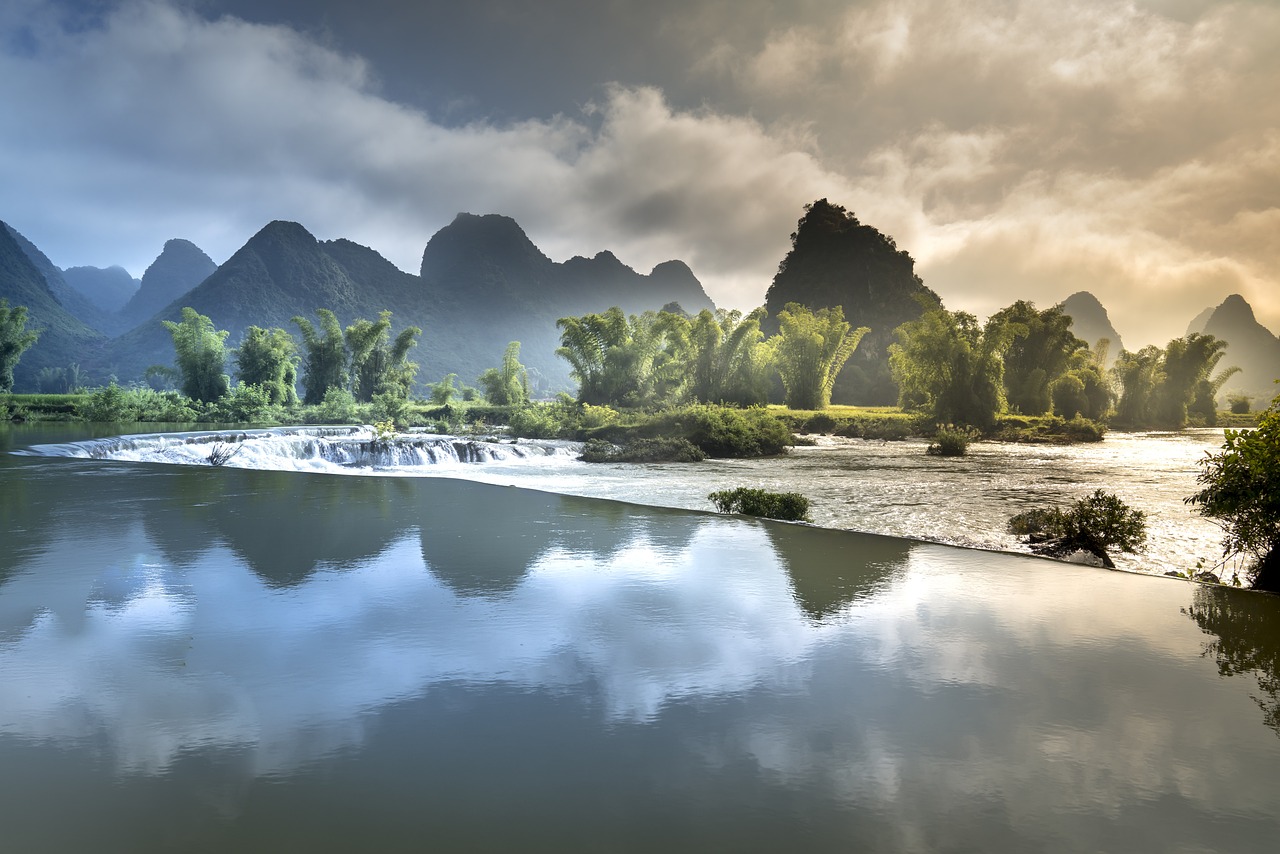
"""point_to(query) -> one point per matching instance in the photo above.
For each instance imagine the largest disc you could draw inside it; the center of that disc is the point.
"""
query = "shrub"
(1240, 404)
(1093, 524)
(246, 404)
(108, 404)
(789, 506)
(951, 441)
(724, 432)
(1240, 494)
(338, 407)
(660, 450)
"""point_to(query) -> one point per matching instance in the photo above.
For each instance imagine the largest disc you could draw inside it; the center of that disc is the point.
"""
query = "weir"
(344, 449)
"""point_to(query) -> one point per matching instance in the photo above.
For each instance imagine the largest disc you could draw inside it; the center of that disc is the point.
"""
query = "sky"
(1018, 149)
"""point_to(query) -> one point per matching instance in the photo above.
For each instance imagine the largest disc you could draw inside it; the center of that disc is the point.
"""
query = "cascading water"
(885, 488)
(335, 449)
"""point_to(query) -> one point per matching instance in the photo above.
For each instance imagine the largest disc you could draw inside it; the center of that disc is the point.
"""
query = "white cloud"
(1016, 149)
(162, 124)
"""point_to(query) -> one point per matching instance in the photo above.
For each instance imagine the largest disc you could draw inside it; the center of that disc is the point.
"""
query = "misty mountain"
(108, 288)
(63, 337)
(180, 266)
(1250, 346)
(72, 301)
(483, 283)
(1090, 323)
(835, 260)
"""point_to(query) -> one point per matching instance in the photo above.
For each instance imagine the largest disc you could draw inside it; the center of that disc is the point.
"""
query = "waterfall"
(346, 449)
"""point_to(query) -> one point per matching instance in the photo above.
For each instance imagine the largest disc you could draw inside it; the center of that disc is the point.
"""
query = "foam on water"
(337, 450)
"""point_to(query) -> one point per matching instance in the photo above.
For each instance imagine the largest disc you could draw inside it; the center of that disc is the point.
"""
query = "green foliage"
(246, 404)
(1162, 388)
(1239, 404)
(324, 358)
(811, 349)
(725, 357)
(657, 450)
(951, 441)
(1240, 493)
(509, 384)
(1093, 524)
(949, 367)
(201, 356)
(114, 404)
(790, 506)
(443, 392)
(377, 365)
(619, 360)
(388, 406)
(268, 359)
(720, 431)
(543, 421)
(384, 431)
(1039, 353)
(1069, 398)
(1047, 430)
(14, 340)
(338, 407)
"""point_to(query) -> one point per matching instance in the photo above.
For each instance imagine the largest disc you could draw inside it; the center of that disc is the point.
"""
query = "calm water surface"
(196, 658)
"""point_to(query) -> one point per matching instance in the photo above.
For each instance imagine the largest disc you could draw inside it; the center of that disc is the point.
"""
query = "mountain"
(180, 266)
(108, 288)
(482, 284)
(1090, 323)
(1250, 346)
(835, 260)
(72, 301)
(63, 337)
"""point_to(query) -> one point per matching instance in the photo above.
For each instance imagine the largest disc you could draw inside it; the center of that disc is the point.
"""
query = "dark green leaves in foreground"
(789, 506)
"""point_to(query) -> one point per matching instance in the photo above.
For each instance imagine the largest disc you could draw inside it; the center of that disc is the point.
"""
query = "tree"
(616, 359)
(201, 356)
(14, 340)
(1138, 375)
(509, 384)
(1240, 493)
(728, 363)
(377, 366)
(269, 359)
(1093, 524)
(1040, 352)
(947, 365)
(1187, 362)
(324, 359)
(810, 350)
(1159, 387)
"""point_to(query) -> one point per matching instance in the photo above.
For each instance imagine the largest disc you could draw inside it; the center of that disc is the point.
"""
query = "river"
(214, 658)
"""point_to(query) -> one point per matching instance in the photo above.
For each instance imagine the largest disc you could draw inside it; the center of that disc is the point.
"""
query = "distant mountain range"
(482, 284)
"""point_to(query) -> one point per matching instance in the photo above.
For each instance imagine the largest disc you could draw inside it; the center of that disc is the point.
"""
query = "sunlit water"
(880, 487)
(196, 658)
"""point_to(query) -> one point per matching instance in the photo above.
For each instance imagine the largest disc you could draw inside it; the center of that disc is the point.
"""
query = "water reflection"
(218, 658)
(1245, 628)
(829, 569)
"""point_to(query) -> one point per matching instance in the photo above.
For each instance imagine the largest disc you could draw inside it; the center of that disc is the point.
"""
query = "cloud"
(1031, 148)
(159, 123)
(1016, 149)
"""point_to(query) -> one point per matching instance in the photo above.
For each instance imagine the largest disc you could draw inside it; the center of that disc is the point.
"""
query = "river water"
(238, 658)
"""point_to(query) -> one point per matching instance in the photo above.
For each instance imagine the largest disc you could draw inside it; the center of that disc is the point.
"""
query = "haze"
(1017, 149)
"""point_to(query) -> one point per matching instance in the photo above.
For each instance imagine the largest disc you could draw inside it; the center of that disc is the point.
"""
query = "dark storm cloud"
(1016, 149)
